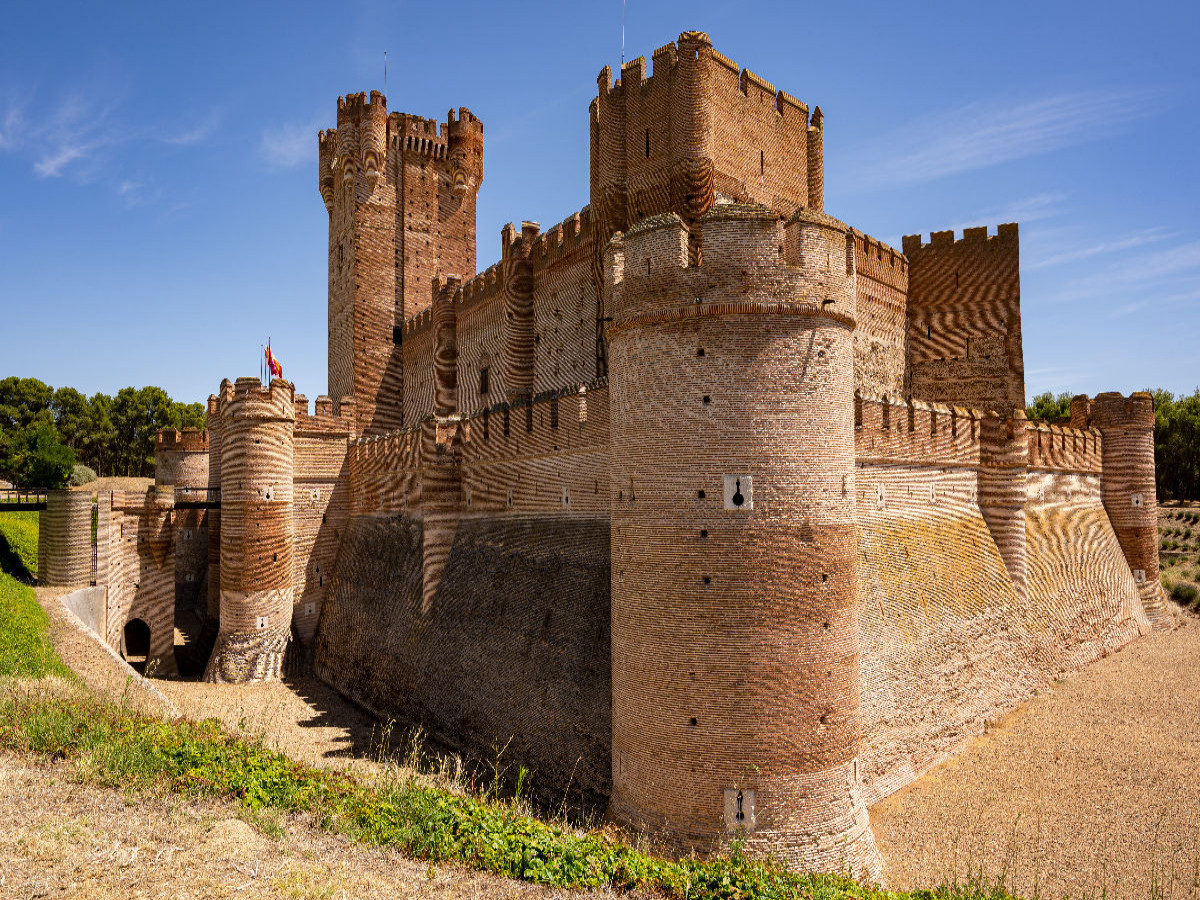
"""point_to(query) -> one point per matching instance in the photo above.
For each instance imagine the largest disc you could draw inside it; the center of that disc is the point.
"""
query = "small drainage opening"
(699, 495)
(699, 351)
(707, 579)
(707, 399)
(692, 722)
(703, 532)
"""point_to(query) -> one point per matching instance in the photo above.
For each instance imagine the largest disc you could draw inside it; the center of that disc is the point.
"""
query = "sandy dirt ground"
(1092, 789)
(301, 717)
(64, 840)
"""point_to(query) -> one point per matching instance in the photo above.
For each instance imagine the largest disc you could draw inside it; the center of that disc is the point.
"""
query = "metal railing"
(17, 499)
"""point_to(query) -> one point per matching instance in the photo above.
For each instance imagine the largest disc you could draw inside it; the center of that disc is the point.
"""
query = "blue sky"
(159, 214)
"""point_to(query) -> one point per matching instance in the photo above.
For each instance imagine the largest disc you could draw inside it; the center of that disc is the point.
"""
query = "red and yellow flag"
(274, 366)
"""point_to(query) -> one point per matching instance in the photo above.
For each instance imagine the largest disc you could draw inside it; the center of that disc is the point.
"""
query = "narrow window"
(483, 381)
(647, 143)
(529, 417)
(506, 421)
(762, 162)
(485, 422)
(553, 412)
(956, 279)
(397, 334)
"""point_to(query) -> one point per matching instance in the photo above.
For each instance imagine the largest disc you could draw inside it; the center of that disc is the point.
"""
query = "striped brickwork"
(735, 629)
(881, 306)
(213, 578)
(181, 460)
(65, 539)
(320, 504)
(400, 191)
(137, 532)
(1127, 425)
(257, 530)
(964, 319)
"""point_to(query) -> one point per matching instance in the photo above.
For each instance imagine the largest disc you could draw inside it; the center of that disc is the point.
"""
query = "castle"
(701, 503)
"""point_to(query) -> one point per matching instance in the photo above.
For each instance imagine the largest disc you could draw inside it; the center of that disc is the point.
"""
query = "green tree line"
(46, 432)
(1176, 438)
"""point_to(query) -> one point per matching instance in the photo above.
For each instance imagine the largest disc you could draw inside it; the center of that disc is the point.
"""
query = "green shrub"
(81, 474)
(1184, 592)
(19, 544)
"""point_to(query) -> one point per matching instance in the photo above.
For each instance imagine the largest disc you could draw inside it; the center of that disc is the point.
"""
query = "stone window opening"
(762, 162)
(554, 412)
(647, 143)
(956, 279)
(483, 380)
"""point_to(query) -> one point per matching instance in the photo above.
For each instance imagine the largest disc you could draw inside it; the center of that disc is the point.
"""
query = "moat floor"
(1092, 789)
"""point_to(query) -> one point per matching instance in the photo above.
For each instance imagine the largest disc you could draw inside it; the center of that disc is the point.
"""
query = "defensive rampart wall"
(949, 639)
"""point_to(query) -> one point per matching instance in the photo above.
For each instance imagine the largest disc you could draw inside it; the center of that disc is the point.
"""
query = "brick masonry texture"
(708, 507)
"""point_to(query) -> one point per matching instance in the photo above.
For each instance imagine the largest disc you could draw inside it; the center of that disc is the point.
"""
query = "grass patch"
(112, 746)
(19, 544)
(25, 648)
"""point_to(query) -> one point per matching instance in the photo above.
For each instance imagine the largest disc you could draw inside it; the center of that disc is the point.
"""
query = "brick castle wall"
(964, 319)
(735, 632)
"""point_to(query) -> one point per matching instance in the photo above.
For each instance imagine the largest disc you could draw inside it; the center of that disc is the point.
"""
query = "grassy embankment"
(107, 744)
(1179, 552)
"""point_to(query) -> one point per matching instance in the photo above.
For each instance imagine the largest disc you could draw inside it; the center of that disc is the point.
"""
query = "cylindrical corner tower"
(65, 539)
(1127, 487)
(734, 604)
(256, 531)
(213, 605)
(1004, 466)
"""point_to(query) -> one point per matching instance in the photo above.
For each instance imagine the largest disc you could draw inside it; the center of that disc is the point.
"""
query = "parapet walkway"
(1092, 789)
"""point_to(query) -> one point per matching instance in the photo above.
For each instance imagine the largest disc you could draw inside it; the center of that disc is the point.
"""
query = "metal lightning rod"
(385, 73)
(622, 34)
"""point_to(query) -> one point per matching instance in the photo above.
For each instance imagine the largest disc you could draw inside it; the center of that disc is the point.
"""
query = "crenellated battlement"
(328, 415)
(249, 398)
(190, 440)
(1063, 448)
(888, 430)
(1113, 410)
(912, 243)
(634, 76)
(876, 260)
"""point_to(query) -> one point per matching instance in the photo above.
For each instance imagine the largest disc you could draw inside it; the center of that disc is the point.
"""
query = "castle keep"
(707, 506)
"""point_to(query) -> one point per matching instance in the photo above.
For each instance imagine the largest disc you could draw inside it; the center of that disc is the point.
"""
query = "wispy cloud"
(1100, 248)
(67, 140)
(1131, 281)
(988, 132)
(10, 127)
(199, 132)
(289, 145)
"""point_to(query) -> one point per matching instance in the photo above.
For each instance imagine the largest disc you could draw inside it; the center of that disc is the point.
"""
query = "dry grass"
(1091, 789)
(62, 839)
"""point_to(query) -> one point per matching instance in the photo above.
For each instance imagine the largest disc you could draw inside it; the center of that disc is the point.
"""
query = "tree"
(24, 402)
(37, 458)
(1048, 407)
(137, 414)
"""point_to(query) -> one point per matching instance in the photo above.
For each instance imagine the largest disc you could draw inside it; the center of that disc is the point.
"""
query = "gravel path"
(1092, 789)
